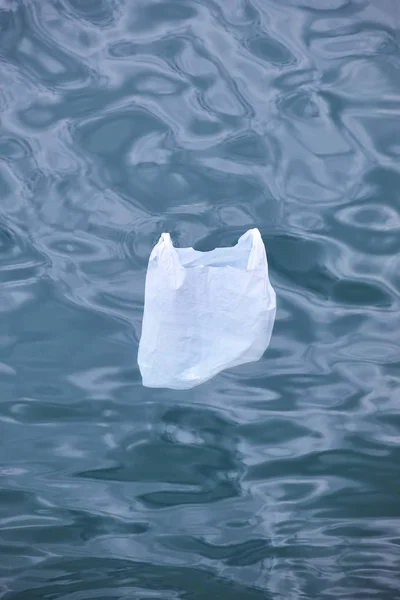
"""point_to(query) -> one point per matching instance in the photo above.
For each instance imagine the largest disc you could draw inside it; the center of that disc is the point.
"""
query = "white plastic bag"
(204, 311)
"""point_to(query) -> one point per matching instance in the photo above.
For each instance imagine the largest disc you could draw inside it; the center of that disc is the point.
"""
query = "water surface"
(120, 120)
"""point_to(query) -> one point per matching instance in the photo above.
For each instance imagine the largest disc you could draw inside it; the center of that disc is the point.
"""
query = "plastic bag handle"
(258, 256)
(165, 252)
(168, 258)
(164, 249)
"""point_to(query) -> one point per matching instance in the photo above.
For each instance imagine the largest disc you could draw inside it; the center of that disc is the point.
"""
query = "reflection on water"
(204, 118)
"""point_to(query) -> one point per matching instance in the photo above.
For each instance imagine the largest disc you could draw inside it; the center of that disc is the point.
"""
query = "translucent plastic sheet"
(204, 311)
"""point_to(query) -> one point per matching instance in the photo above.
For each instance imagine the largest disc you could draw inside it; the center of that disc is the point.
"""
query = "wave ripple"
(204, 118)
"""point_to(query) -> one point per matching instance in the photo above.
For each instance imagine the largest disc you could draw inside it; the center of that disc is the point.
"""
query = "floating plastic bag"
(204, 311)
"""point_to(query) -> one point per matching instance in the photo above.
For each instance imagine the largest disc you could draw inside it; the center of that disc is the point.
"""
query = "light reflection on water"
(204, 118)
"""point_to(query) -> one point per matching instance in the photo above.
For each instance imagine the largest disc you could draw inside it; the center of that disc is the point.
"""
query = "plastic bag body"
(204, 311)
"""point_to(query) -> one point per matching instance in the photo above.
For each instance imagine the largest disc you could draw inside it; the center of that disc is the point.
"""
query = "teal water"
(121, 119)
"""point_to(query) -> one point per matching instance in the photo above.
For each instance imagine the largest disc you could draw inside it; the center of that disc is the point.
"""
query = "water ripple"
(121, 120)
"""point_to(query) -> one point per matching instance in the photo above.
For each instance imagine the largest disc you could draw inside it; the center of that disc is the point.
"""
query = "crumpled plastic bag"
(204, 311)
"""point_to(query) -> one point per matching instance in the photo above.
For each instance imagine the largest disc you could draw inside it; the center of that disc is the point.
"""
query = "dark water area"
(121, 119)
